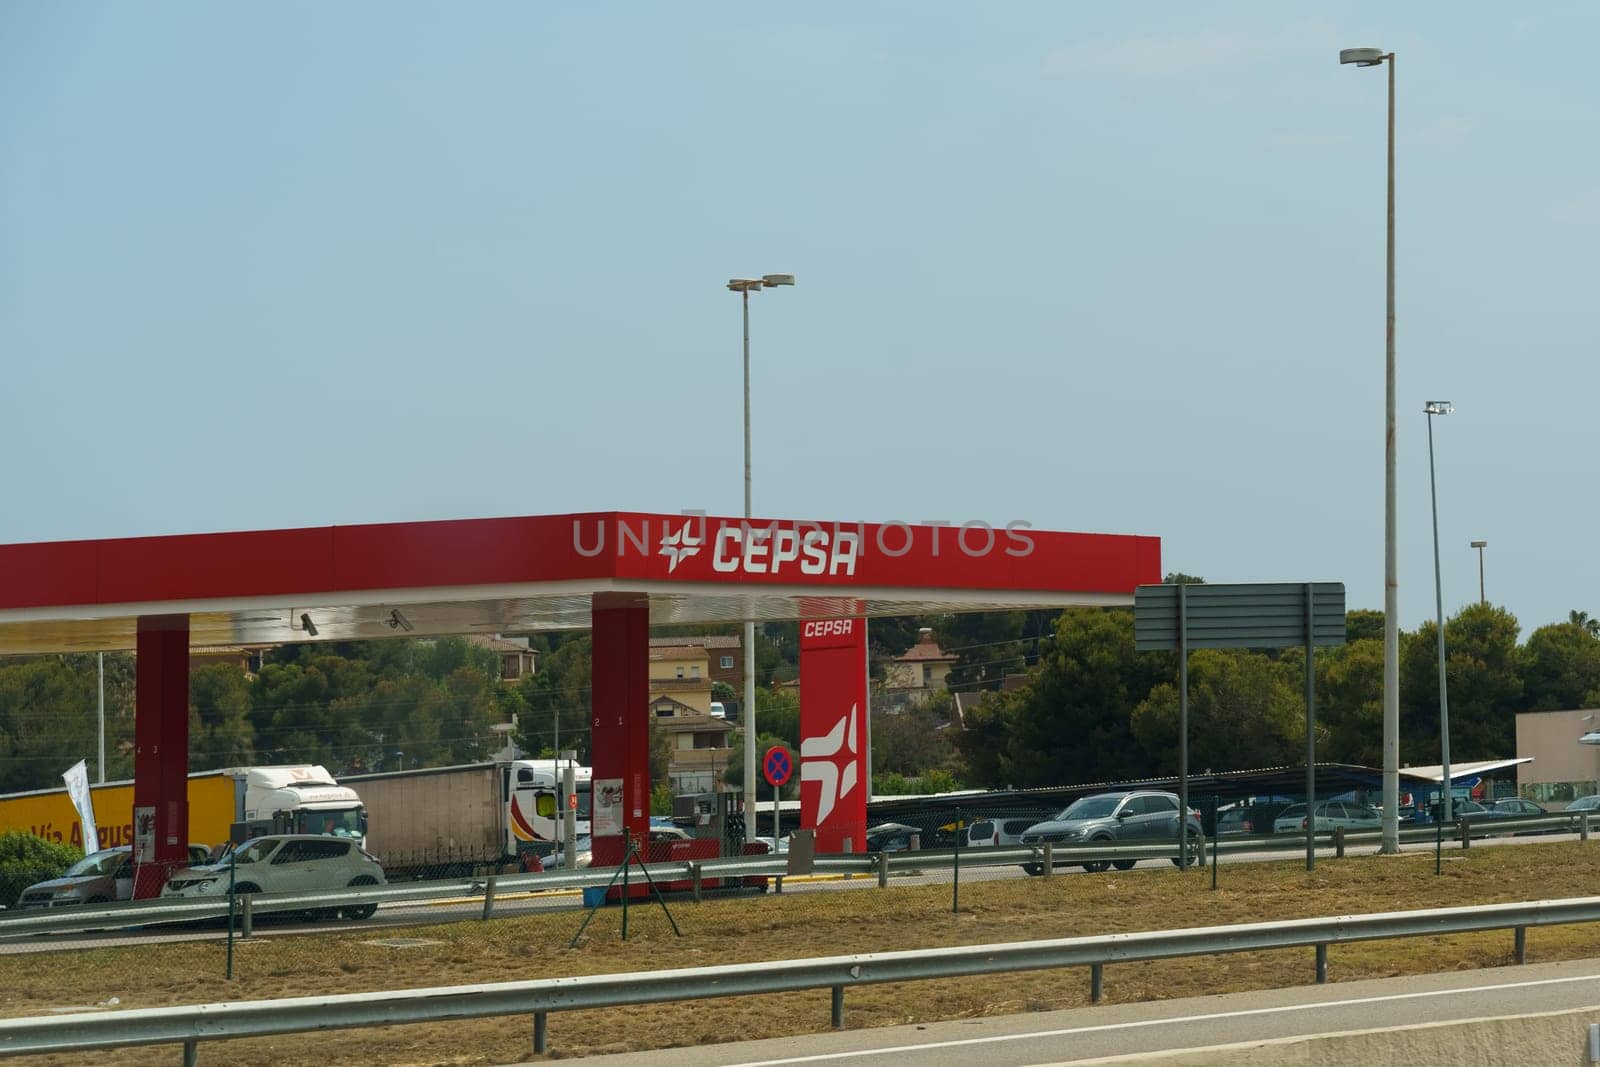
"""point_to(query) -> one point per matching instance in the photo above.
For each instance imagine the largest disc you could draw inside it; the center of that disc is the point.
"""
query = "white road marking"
(1140, 1023)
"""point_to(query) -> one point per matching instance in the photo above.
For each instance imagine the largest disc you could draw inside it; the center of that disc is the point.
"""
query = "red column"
(620, 742)
(161, 752)
(833, 732)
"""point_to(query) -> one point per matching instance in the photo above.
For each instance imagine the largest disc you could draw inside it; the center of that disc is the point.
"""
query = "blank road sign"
(1255, 615)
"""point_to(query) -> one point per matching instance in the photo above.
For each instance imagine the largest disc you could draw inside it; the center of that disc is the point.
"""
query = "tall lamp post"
(1372, 57)
(744, 287)
(1430, 409)
(1480, 546)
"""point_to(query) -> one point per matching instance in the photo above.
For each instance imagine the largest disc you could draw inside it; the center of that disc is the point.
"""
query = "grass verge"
(814, 924)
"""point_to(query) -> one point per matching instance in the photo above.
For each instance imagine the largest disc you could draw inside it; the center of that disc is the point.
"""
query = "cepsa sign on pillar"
(833, 732)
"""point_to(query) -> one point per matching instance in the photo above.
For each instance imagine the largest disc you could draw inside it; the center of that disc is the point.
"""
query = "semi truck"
(302, 799)
(444, 821)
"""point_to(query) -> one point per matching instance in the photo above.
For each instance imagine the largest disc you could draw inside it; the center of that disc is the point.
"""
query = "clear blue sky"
(1099, 267)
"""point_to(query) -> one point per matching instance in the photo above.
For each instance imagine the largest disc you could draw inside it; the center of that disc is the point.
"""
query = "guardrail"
(192, 1024)
(1043, 857)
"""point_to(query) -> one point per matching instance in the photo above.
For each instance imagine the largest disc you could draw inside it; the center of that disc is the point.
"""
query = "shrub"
(26, 859)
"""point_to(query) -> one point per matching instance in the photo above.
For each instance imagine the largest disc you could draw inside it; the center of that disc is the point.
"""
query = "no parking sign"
(777, 766)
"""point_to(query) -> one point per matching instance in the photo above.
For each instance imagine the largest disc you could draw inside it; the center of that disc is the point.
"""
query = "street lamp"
(1480, 546)
(744, 287)
(1430, 409)
(1372, 57)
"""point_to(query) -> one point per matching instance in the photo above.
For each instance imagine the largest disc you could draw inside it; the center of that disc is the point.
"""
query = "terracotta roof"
(926, 650)
(500, 644)
(705, 641)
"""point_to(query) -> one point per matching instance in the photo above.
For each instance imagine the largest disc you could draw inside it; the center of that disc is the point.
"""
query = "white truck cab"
(298, 799)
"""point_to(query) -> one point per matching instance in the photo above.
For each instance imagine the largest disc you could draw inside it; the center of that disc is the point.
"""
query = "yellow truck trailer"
(301, 799)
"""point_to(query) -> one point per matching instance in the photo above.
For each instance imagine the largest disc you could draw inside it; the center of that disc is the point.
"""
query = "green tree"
(1560, 666)
(661, 799)
(47, 721)
(1361, 624)
(220, 731)
(1244, 712)
(778, 715)
(26, 859)
(1350, 702)
(561, 689)
(1071, 721)
(910, 741)
(1482, 669)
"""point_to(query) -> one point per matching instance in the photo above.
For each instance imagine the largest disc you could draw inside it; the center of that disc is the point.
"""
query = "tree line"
(1083, 705)
(1094, 709)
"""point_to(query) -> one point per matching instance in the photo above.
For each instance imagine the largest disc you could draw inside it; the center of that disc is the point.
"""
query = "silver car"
(1137, 818)
(99, 878)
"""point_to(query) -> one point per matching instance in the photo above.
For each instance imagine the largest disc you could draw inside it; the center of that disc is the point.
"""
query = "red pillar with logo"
(620, 741)
(161, 752)
(834, 774)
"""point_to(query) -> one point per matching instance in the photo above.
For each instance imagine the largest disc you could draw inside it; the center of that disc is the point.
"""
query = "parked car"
(891, 837)
(1331, 815)
(1468, 809)
(779, 846)
(1588, 803)
(992, 832)
(1518, 808)
(99, 878)
(1139, 817)
(1241, 819)
(285, 863)
(670, 833)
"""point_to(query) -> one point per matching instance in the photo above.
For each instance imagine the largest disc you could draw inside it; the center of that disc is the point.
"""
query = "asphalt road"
(445, 910)
(1144, 1028)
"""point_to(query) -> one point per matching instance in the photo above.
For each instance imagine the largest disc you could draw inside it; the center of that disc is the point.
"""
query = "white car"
(1331, 814)
(582, 850)
(285, 863)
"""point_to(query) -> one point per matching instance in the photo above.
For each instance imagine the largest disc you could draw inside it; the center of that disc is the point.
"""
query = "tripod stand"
(630, 856)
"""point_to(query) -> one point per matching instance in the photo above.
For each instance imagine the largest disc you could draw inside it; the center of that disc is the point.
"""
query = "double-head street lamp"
(744, 287)
(1430, 409)
(1372, 57)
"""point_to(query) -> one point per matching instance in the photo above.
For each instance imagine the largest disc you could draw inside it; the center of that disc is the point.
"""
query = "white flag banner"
(77, 780)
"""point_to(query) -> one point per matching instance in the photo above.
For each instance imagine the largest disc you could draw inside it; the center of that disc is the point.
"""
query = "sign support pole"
(1311, 735)
(1183, 727)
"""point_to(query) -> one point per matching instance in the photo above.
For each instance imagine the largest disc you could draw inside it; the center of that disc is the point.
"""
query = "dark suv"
(1135, 818)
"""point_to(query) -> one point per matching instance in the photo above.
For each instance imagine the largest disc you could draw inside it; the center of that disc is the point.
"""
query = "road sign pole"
(1183, 727)
(776, 836)
(1311, 732)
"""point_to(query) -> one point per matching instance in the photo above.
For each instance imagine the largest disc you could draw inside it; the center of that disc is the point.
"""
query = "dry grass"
(824, 923)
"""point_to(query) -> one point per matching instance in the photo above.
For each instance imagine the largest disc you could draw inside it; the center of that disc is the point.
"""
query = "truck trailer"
(301, 799)
(445, 821)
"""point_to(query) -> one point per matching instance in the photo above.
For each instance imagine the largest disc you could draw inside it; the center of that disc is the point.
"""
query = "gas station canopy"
(345, 583)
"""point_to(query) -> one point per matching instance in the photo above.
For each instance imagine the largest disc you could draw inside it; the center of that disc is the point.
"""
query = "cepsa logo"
(828, 628)
(765, 550)
(800, 548)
